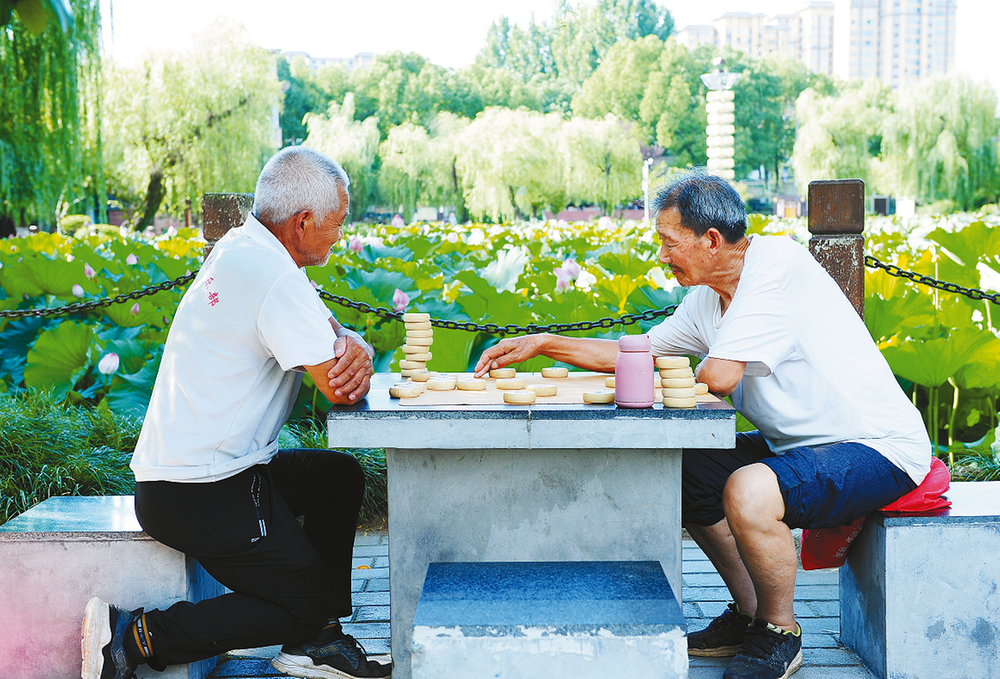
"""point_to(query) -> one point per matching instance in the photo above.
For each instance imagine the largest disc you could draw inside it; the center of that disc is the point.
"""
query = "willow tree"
(942, 143)
(50, 157)
(182, 125)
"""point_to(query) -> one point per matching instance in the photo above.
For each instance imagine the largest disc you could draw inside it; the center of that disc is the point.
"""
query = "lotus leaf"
(59, 358)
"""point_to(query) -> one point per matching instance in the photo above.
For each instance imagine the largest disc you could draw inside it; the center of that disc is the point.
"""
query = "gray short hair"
(297, 178)
(704, 201)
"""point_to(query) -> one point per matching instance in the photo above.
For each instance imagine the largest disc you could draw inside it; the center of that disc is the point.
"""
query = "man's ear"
(716, 241)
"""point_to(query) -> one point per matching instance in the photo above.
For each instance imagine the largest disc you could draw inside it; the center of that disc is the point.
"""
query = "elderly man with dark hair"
(210, 479)
(836, 437)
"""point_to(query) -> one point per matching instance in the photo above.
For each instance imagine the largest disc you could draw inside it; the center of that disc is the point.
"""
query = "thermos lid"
(634, 343)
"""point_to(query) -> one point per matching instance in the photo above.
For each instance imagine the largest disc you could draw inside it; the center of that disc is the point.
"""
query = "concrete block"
(512, 620)
(919, 592)
(62, 552)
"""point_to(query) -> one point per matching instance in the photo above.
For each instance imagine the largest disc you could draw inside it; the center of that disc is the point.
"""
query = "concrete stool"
(62, 552)
(919, 592)
(576, 619)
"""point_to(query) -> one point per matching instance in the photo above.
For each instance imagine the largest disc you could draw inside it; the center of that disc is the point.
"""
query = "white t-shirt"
(813, 374)
(228, 378)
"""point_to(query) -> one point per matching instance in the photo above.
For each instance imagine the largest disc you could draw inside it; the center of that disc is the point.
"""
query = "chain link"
(106, 302)
(490, 328)
(893, 270)
(510, 328)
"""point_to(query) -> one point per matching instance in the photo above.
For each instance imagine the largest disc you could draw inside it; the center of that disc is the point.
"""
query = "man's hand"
(508, 351)
(350, 375)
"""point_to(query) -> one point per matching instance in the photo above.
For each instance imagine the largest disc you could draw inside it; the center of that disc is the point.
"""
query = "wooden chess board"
(571, 389)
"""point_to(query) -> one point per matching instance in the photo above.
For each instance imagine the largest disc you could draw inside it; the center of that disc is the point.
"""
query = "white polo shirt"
(227, 381)
(813, 375)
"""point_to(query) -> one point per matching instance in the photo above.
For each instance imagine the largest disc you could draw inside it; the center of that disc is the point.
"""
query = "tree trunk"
(156, 191)
(7, 228)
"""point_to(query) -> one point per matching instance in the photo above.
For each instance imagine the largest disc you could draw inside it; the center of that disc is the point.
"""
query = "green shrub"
(49, 449)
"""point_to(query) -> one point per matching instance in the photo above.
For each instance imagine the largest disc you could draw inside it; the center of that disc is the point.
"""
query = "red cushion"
(827, 547)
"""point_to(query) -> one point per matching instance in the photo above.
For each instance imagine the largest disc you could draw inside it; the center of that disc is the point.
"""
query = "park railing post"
(221, 212)
(836, 227)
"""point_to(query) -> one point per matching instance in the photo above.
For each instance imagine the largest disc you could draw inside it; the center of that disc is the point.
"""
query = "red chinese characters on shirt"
(213, 296)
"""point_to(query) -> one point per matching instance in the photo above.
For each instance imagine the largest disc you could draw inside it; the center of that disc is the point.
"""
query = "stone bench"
(920, 593)
(62, 552)
(579, 619)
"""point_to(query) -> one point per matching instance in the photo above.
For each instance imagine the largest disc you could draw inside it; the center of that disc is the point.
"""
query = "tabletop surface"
(378, 404)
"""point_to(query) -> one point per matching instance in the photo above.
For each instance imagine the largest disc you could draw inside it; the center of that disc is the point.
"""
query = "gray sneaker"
(723, 636)
(102, 642)
(768, 652)
(336, 655)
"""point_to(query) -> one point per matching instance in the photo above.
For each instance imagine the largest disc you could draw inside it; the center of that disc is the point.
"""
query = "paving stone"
(378, 585)
(368, 630)
(372, 614)
(240, 668)
(370, 599)
(367, 539)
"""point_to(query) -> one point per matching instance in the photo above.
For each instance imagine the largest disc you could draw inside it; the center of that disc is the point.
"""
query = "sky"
(448, 32)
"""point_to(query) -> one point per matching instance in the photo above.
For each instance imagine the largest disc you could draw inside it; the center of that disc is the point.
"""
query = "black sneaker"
(103, 642)
(723, 636)
(336, 655)
(769, 652)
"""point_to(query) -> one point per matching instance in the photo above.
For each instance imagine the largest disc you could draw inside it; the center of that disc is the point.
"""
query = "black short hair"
(704, 201)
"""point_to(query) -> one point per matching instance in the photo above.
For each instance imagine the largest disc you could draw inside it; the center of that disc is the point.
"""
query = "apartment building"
(897, 41)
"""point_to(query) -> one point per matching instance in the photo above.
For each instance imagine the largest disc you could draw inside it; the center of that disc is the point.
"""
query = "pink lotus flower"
(398, 221)
(132, 260)
(399, 300)
(77, 290)
(88, 270)
(135, 309)
(566, 274)
(108, 363)
(356, 245)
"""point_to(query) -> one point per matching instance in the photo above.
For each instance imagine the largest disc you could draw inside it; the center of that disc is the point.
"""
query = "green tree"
(50, 79)
(603, 161)
(351, 143)
(178, 127)
(942, 143)
(618, 85)
(658, 85)
(403, 177)
(509, 164)
(765, 111)
(840, 136)
(399, 88)
(302, 94)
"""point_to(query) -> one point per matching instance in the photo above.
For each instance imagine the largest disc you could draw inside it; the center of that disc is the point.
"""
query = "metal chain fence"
(490, 328)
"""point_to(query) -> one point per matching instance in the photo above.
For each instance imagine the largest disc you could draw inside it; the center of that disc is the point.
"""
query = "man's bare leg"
(719, 546)
(754, 511)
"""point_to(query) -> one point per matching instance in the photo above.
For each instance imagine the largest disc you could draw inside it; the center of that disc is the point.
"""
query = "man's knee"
(752, 494)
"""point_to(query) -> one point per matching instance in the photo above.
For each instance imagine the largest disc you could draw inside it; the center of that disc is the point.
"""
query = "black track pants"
(287, 579)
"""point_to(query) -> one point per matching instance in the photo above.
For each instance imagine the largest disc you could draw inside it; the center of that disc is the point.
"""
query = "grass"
(47, 449)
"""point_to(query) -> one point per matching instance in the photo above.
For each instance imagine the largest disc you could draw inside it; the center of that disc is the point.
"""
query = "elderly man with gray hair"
(210, 479)
(836, 436)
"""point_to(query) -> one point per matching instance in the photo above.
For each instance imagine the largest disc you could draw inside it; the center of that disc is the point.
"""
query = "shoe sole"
(95, 635)
(293, 666)
(793, 666)
(719, 652)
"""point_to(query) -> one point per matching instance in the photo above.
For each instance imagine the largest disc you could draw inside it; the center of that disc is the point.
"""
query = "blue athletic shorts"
(822, 486)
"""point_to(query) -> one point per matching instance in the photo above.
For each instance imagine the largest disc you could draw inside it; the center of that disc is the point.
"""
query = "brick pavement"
(705, 597)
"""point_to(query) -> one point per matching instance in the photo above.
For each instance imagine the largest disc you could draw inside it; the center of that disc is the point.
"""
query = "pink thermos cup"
(634, 372)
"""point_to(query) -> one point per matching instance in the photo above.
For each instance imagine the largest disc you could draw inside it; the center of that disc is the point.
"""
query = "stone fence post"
(836, 225)
(221, 212)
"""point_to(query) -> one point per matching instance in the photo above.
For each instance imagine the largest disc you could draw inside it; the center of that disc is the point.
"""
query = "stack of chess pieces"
(417, 349)
(678, 386)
